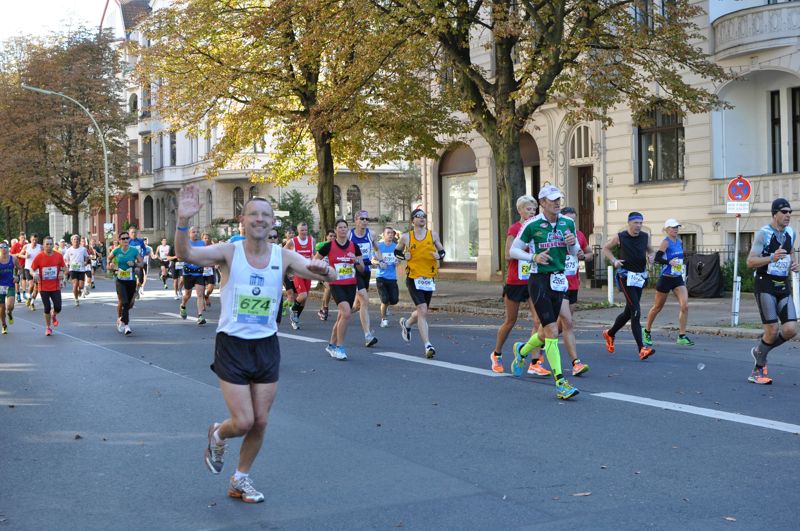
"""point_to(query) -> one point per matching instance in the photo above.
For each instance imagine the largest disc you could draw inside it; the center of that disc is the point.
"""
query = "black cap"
(568, 210)
(778, 204)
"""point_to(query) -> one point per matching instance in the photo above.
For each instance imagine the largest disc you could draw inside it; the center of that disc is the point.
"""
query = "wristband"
(182, 229)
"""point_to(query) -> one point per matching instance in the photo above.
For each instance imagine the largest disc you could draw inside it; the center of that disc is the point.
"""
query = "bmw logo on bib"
(256, 291)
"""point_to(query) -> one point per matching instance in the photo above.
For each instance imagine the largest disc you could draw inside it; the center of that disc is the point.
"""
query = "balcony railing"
(757, 28)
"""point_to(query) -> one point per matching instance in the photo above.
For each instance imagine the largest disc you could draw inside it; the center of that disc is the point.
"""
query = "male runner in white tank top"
(246, 353)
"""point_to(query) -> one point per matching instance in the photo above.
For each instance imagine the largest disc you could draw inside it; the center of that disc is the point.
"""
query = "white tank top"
(32, 252)
(250, 298)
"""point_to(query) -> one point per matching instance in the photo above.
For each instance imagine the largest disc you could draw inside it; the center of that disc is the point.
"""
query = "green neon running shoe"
(646, 339)
(684, 340)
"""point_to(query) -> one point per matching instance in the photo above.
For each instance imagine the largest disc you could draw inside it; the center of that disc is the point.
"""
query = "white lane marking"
(188, 318)
(302, 338)
(704, 412)
(442, 364)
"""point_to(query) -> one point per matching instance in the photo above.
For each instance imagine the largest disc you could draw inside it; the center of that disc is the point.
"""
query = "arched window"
(353, 201)
(253, 192)
(238, 202)
(209, 208)
(133, 104)
(581, 149)
(148, 212)
(458, 190)
(337, 202)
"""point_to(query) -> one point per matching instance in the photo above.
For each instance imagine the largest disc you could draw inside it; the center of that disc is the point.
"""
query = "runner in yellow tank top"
(425, 251)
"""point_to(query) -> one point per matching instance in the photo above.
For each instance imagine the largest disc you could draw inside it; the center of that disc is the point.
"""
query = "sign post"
(739, 190)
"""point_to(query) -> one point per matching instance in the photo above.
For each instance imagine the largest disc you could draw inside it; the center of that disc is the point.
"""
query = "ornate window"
(353, 201)
(148, 212)
(209, 207)
(238, 201)
(133, 104)
(337, 202)
(581, 148)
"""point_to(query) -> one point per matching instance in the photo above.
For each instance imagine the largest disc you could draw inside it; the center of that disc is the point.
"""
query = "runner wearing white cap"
(670, 256)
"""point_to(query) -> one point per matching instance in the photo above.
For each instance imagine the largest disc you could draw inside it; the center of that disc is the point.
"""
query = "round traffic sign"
(739, 189)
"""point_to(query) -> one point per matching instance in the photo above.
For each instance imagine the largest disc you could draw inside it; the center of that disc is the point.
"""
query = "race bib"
(366, 250)
(178, 265)
(389, 259)
(124, 274)
(424, 284)
(208, 271)
(345, 271)
(94, 263)
(49, 273)
(3, 290)
(571, 265)
(524, 269)
(558, 282)
(75, 267)
(254, 305)
(677, 268)
(780, 268)
(636, 280)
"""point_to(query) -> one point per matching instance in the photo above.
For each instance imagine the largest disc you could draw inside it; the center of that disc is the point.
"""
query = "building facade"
(677, 168)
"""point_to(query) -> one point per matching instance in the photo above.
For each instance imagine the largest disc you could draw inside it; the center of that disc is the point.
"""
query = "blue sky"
(39, 17)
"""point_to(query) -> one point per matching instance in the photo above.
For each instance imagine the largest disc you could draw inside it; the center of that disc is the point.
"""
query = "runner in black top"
(631, 276)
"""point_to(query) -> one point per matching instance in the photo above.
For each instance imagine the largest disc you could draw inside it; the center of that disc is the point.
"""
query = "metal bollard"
(610, 285)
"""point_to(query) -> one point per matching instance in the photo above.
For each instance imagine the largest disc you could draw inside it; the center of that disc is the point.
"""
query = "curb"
(471, 309)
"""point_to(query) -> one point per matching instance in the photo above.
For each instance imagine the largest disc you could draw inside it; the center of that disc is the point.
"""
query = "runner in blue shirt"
(362, 237)
(386, 276)
(136, 241)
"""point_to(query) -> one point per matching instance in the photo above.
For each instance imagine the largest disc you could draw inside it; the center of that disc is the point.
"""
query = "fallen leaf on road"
(78, 436)
(582, 494)
(730, 518)
(212, 504)
(603, 467)
(378, 424)
(11, 406)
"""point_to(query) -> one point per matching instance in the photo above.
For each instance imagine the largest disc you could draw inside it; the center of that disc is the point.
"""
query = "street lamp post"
(102, 142)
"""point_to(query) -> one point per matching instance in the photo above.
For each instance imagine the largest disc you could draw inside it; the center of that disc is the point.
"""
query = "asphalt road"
(103, 431)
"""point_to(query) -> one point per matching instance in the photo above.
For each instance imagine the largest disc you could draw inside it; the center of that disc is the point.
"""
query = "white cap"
(550, 192)
(671, 222)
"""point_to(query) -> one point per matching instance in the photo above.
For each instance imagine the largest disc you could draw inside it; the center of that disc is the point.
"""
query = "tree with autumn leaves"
(319, 83)
(50, 150)
(586, 56)
(350, 80)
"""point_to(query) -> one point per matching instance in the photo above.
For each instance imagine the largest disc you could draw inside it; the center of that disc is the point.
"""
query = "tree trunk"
(510, 183)
(325, 172)
(75, 222)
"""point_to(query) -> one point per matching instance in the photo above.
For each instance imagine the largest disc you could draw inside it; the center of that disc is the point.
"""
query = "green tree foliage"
(586, 56)
(51, 139)
(319, 83)
(299, 208)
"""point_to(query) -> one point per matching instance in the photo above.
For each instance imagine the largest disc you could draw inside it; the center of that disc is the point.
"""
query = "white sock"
(239, 475)
(217, 438)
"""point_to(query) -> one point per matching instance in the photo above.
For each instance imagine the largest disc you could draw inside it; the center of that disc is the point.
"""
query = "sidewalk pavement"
(706, 316)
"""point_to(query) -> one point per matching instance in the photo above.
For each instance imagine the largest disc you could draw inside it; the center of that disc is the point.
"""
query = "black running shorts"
(362, 279)
(80, 276)
(245, 361)
(667, 283)
(516, 292)
(190, 281)
(774, 300)
(418, 296)
(388, 290)
(343, 293)
(546, 301)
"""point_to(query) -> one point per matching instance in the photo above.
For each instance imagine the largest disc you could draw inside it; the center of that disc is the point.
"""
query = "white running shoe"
(120, 327)
(384, 323)
(127, 330)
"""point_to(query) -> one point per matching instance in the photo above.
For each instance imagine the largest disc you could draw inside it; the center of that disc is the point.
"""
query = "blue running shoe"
(518, 365)
(564, 390)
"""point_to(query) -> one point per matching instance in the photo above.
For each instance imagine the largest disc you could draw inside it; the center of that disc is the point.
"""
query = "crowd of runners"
(264, 277)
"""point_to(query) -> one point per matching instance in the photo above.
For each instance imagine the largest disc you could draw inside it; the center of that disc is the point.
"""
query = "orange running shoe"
(609, 341)
(55, 320)
(646, 352)
(497, 362)
(537, 369)
(759, 376)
